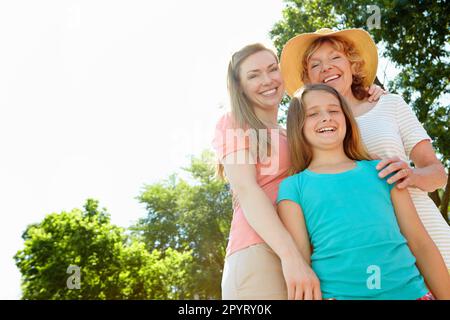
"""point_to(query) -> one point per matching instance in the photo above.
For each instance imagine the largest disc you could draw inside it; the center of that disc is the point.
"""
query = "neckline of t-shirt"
(373, 108)
(338, 174)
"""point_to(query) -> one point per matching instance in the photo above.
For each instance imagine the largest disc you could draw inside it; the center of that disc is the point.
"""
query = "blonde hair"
(242, 110)
(349, 50)
(299, 148)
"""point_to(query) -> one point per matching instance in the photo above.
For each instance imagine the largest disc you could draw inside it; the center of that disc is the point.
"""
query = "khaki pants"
(253, 273)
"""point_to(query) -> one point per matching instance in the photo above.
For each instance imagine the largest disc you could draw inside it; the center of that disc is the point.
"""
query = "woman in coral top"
(262, 260)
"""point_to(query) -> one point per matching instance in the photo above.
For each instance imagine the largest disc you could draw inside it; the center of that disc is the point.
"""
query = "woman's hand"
(375, 92)
(403, 176)
(302, 283)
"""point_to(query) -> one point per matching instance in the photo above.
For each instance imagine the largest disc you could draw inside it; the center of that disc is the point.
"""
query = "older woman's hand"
(375, 92)
(403, 174)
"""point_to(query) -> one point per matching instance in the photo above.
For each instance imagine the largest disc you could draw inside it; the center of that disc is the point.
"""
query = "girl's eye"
(334, 111)
(337, 57)
(314, 65)
(252, 76)
(274, 69)
(313, 114)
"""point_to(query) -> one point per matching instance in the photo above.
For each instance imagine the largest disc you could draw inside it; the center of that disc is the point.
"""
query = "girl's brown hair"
(299, 148)
(348, 49)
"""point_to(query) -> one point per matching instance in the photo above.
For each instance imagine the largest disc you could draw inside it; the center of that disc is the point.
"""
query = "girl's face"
(329, 66)
(261, 80)
(324, 126)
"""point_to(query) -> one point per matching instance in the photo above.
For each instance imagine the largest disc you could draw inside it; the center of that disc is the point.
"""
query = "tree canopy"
(194, 216)
(175, 252)
(111, 264)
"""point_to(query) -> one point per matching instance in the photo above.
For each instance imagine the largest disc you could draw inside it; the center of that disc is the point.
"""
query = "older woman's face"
(261, 80)
(329, 66)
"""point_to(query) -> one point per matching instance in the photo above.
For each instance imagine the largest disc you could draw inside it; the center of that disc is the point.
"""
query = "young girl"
(362, 237)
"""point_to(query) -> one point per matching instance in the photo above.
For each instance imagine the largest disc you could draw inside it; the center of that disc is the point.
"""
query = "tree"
(193, 216)
(414, 35)
(111, 265)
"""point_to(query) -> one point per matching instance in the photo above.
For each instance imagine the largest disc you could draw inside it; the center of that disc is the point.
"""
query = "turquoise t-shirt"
(359, 251)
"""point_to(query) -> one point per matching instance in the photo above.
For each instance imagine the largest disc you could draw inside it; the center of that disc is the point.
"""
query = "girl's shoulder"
(293, 179)
(372, 171)
(369, 163)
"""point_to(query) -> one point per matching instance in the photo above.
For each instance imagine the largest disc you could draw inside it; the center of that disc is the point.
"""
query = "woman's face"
(261, 80)
(329, 66)
(324, 125)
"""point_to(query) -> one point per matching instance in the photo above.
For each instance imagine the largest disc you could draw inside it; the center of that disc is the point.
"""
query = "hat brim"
(295, 48)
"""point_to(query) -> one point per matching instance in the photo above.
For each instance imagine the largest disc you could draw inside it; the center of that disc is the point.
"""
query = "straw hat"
(294, 49)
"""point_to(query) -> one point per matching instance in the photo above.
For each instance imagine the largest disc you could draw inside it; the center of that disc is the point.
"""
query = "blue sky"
(98, 98)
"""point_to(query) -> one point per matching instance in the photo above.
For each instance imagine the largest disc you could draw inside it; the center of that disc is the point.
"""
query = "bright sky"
(98, 98)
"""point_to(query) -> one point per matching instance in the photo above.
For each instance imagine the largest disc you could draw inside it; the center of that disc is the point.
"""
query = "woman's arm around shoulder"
(262, 217)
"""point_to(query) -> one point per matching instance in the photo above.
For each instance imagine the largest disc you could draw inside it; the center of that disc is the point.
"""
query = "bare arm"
(291, 215)
(262, 217)
(428, 258)
(428, 174)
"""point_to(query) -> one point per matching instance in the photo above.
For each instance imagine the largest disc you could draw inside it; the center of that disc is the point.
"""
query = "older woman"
(347, 60)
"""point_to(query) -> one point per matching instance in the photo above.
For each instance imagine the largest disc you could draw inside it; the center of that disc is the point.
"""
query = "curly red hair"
(356, 62)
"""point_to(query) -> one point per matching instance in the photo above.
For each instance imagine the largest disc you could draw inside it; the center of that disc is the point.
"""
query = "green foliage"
(303, 16)
(190, 216)
(176, 252)
(112, 265)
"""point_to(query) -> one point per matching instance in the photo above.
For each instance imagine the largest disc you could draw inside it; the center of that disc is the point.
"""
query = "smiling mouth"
(331, 78)
(326, 130)
(270, 92)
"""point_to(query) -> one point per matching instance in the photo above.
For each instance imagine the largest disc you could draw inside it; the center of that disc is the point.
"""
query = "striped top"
(390, 129)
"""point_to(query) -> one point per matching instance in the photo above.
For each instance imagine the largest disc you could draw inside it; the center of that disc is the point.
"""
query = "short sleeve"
(374, 163)
(390, 185)
(411, 130)
(289, 190)
(228, 138)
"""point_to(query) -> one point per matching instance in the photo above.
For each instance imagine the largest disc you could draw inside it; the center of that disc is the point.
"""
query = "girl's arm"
(428, 259)
(262, 217)
(291, 215)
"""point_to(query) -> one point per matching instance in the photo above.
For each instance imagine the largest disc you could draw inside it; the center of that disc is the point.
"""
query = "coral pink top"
(269, 174)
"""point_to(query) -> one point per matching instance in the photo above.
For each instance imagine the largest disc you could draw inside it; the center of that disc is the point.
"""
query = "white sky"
(98, 98)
